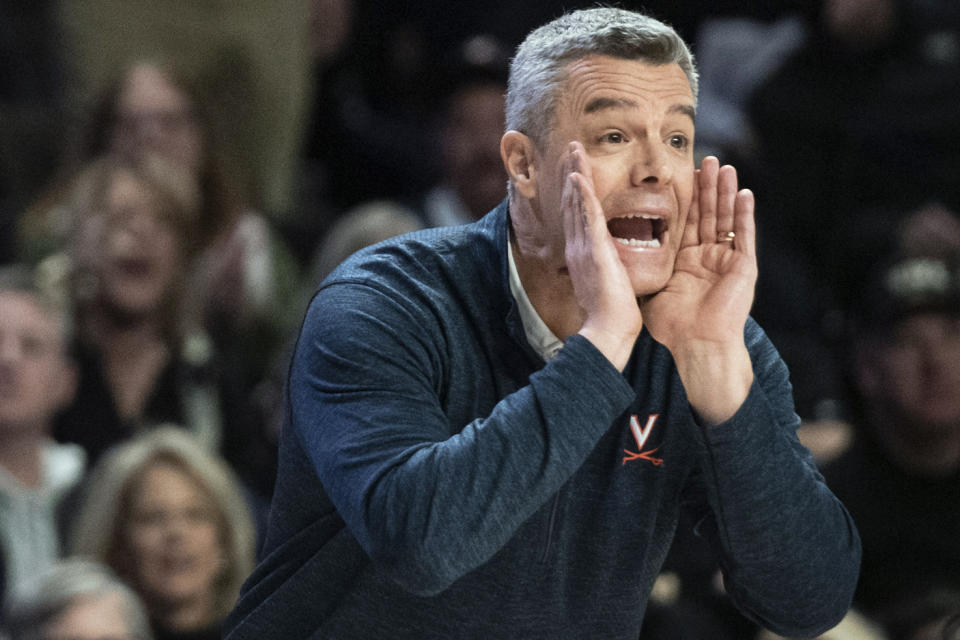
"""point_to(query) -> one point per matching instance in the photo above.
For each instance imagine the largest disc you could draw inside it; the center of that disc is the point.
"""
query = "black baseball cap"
(907, 285)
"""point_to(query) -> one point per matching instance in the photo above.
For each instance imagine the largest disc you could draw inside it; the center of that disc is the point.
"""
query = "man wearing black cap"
(901, 478)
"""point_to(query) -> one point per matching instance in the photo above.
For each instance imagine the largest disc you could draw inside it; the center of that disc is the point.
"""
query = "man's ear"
(519, 159)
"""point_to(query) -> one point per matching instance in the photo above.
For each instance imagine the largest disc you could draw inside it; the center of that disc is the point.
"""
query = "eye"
(613, 137)
(678, 141)
(150, 517)
(31, 346)
(199, 515)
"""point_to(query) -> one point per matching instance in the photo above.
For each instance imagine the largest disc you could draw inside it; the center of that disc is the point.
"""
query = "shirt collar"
(538, 334)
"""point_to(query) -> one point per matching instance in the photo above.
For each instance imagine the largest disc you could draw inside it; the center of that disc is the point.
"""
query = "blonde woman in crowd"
(247, 277)
(143, 355)
(170, 519)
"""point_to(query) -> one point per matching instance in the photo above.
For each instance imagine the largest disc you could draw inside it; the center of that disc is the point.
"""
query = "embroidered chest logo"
(640, 434)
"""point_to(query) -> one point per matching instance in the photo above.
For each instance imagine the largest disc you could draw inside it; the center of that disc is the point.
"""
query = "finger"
(745, 223)
(691, 231)
(580, 161)
(707, 199)
(726, 197)
(571, 204)
(582, 173)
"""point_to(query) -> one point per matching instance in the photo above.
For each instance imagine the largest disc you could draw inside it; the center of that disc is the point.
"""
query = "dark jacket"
(439, 480)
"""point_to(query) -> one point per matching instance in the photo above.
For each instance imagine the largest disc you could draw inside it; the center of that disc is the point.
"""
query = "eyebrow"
(684, 109)
(603, 103)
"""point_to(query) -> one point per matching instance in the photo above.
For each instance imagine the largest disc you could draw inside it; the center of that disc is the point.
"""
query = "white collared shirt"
(28, 516)
(538, 333)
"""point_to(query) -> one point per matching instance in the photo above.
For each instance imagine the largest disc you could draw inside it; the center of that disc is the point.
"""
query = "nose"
(649, 164)
(142, 223)
(176, 528)
(935, 355)
(136, 227)
(151, 131)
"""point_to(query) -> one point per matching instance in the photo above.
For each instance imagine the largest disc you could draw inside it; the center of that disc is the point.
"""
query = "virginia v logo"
(640, 434)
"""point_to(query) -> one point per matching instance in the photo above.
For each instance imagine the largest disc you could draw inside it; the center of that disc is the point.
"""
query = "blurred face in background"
(137, 251)
(35, 375)
(475, 122)
(173, 538)
(916, 373)
(153, 115)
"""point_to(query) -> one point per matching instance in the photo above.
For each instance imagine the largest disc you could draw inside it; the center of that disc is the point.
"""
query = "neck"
(133, 356)
(106, 325)
(186, 615)
(550, 291)
(934, 453)
(21, 454)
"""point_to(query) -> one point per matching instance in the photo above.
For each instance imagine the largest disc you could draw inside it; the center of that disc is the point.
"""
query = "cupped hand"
(709, 296)
(601, 284)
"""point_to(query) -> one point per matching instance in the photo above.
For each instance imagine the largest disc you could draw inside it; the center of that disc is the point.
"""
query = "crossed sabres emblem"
(640, 434)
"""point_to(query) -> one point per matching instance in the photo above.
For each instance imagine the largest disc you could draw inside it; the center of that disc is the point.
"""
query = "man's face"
(35, 377)
(635, 121)
(472, 147)
(919, 371)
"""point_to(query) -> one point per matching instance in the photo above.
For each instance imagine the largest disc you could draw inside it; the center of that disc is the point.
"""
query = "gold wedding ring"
(726, 236)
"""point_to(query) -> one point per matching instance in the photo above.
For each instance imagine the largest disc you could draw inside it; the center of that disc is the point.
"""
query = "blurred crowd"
(177, 177)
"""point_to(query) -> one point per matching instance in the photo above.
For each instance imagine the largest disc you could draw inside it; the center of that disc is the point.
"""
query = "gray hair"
(97, 531)
(539, 67)
(54, 591)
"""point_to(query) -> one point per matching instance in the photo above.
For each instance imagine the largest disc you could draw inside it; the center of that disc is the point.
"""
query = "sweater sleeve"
(788, 548)
(428, 506)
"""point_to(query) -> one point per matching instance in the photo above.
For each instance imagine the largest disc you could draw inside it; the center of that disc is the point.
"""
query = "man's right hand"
(612, 319)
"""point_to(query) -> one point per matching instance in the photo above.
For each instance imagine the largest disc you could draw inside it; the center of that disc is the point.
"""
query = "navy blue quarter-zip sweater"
(438, 479)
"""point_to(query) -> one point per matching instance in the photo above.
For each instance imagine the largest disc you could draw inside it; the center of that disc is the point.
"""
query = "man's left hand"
(701, 313)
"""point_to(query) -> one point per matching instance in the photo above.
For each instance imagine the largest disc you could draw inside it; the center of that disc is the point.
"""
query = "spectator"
(246, 276)
(863, 113)
(472, 178)
(78, 599)
(142, 354)
(901, 477)
(170, 519)
(36, 380)
(249, 58)
(927, 615)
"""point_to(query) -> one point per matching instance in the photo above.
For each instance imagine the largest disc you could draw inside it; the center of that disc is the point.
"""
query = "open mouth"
(642, 231)
(178, 564)
(134, 267)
